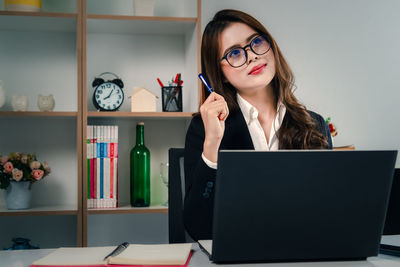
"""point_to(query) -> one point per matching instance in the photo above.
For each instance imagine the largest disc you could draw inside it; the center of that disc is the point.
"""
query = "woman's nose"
(251, 56)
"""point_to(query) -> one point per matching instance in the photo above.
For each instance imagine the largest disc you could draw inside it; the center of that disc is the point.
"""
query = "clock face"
(108, 96)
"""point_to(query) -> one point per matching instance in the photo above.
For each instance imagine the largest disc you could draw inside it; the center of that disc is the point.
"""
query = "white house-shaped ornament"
(143, 100)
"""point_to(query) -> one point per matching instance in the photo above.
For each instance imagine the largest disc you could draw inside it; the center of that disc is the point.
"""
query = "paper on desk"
(166, 254)
(76, 256)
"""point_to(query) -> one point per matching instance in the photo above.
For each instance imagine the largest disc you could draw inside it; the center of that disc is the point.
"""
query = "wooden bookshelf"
(45, 24)
(38, 14)
(122, 114)
(37, 114)
(132, 26)
(41, 211)
(129, 210)
(77, 26)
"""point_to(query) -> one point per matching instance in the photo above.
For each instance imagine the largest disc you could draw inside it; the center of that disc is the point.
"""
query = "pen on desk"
(118, 250)
(205, 83)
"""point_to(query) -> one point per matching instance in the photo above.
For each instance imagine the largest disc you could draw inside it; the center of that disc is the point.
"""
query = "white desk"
(22, 258)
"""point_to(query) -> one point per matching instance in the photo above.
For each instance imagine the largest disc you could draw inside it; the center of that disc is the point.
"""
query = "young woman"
(252, 107)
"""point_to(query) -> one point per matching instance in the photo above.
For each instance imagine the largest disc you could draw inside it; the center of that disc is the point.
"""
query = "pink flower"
(24, 159)
(17, 174)
(37, 174)
(8, 167)
(3, 160)
(35, 165)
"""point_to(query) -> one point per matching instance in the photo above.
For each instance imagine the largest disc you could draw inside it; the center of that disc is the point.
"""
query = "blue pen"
(205, 83)
(209, 89)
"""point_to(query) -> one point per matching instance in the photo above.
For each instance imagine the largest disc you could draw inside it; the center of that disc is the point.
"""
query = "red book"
(112, 170)
(92, 195)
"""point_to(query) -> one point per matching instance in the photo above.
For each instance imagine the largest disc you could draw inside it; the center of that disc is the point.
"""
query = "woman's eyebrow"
(238, 45)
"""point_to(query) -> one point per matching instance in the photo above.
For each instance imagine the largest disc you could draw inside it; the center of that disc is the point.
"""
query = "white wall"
(345, 57)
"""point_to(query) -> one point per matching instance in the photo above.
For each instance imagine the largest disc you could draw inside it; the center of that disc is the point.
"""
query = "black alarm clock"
(108, 95)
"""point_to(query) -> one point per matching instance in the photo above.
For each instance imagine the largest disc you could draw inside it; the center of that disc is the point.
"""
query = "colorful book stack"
(102, 166)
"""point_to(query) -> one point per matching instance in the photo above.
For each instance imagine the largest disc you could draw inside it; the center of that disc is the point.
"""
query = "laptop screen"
(300, 205)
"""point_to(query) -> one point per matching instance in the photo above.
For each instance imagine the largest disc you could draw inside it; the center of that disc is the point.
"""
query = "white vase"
(19, 195)
(2, 94)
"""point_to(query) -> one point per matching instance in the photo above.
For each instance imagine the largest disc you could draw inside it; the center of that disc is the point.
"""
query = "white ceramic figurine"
(46, 103)
(19, 102)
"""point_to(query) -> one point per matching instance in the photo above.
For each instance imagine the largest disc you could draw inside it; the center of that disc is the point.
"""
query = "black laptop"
(390, 242)
(299, 205)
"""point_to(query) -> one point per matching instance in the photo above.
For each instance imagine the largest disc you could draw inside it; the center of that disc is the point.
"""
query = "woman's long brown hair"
(298, 130)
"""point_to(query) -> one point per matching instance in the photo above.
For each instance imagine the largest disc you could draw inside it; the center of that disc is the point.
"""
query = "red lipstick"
(257, 69)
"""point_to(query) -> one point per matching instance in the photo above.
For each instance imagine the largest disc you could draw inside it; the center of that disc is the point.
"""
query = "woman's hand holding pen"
(214, 112)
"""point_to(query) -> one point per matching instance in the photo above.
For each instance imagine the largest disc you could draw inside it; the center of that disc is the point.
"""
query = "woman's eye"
(235, 53)
(258, 41)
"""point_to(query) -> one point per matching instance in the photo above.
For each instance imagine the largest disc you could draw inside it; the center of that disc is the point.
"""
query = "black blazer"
(200, 179)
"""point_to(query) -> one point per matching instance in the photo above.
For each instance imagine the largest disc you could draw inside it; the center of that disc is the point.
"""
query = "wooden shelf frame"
(119, 114)
(129, 210)
(122, 114)
(77, 28)
(39, 14)
(41, 211)
(142, 18)
(38, 114)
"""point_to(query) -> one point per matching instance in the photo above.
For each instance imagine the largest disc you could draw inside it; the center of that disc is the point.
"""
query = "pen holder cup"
(171, 98)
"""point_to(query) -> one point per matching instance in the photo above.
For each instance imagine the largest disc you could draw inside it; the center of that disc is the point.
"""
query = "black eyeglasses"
(237, 57)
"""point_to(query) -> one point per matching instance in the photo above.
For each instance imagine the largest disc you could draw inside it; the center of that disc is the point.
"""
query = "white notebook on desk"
(135, 254)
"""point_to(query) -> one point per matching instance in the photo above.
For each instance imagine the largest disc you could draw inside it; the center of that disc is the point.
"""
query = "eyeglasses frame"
(245, 50)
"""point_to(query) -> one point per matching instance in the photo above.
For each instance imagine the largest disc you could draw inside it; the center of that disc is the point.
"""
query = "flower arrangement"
(21, 167)
(332, 127)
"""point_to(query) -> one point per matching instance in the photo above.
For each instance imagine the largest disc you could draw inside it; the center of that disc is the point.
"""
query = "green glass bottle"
(140, 170)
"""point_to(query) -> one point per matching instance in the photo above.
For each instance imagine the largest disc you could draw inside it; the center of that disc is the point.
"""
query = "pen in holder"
(171, 98)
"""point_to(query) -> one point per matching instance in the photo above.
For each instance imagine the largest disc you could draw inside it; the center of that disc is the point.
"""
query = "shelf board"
(38, 14)
(129, 210)
(142, 18)
(38, 21)
(38, 114)
(127, 114)
(41, 211)
(114, 24)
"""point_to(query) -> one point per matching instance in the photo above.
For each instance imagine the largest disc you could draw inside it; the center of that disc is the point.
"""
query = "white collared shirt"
(250, 114)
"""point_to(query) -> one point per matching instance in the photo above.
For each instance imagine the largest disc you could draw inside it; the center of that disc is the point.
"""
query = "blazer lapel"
(237, 135)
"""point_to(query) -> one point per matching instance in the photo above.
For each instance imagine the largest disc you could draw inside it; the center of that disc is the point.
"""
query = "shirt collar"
(250, 113)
